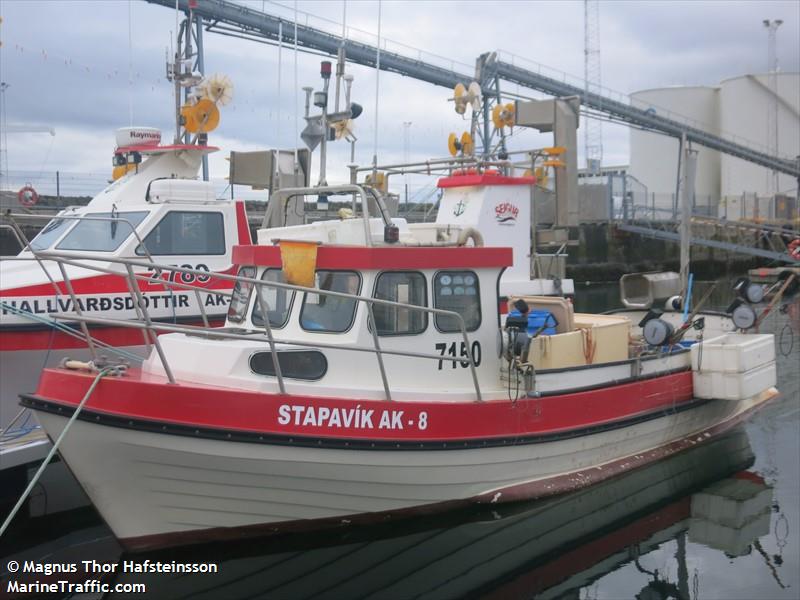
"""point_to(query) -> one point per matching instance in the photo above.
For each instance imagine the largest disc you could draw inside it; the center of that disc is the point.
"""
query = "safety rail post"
(463, 327)
(364, 215)
(202, 308)
(377, 344)
(140, 299)
(76, 304)
(131, 283)
(26, 245)
(270, 340)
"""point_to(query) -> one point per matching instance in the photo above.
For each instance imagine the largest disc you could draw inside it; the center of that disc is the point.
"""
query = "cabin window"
(295, 364)
(330, 313)
(51, 232)
(240, 297)
(278, 301)
(184, 233)
(407, 288)
(457, 291)
(101, 235)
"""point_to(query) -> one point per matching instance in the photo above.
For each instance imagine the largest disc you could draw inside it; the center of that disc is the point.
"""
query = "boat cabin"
(157, 212)
(328, 339)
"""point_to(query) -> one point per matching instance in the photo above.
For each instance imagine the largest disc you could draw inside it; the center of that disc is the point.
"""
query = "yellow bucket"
(299, 262)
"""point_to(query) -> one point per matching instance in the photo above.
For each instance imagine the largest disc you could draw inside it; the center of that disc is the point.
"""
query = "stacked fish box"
(734, 366)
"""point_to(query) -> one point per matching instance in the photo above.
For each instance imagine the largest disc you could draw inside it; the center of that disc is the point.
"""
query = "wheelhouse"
(433, 310)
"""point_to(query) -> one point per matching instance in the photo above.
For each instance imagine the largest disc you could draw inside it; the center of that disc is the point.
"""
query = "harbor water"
(720, 520)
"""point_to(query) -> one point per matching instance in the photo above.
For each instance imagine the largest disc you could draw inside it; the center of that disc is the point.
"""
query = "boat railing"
(275, 215)
(26, 245)
(37, 256)
(14, 227)
(150, 328)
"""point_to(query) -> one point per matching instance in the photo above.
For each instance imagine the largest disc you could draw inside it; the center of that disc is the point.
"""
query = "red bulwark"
(140, 396)
(384, 257)
(473, 179)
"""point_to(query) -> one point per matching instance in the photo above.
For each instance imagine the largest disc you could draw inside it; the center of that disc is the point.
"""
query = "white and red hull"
(245, 463)
(30, 338)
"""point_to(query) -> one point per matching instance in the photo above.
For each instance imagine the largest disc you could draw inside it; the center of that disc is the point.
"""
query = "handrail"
(151, 326)
(279, 198)
(26, 245)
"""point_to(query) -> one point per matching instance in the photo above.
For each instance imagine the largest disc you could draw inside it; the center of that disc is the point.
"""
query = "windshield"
(101, 235)
(50, 233)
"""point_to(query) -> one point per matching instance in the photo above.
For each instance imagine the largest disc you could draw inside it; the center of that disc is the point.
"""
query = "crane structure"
(223, 16)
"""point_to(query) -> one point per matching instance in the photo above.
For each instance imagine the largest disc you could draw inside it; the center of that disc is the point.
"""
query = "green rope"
(35, 480)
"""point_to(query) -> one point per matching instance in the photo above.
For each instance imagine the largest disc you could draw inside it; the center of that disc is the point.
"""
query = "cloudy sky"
(68, 65)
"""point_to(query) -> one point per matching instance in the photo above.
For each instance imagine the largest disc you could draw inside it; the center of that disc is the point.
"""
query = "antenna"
(592, 128)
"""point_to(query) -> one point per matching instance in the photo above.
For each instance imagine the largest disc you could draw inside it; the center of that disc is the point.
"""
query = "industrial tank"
(745, 102)
(654, 157)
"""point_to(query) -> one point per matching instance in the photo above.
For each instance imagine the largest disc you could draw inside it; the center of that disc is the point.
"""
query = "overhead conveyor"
(223, 16)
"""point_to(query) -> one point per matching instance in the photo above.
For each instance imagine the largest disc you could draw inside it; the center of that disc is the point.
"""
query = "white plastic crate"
(733, 386)
(734, 352)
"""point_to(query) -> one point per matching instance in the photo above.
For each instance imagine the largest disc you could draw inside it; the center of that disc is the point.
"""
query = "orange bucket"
(299, 260)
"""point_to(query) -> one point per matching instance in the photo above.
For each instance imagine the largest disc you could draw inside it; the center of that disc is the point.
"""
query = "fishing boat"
(156, 209)
(364, 372)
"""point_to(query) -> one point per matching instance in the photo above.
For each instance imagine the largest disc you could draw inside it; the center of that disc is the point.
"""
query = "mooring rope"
(114, 370)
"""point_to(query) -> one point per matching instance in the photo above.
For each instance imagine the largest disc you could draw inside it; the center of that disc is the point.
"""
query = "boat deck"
(25, 449)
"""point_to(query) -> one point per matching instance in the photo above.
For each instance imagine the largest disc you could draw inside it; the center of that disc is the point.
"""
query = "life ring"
(27, 196)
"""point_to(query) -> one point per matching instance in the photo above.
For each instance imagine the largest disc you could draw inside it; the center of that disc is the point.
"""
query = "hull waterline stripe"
(37, 403)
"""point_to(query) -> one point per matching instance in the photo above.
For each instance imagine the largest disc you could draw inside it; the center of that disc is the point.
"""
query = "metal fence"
(653, 206)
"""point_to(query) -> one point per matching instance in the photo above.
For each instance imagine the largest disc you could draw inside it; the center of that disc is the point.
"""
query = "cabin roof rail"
(279, 200)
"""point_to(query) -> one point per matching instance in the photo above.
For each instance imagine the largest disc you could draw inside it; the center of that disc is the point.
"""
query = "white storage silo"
(654, 157)
(745, 102)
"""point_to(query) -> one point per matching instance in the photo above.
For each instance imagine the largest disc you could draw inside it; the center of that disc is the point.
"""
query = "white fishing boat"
(384, 385)
(158, 210)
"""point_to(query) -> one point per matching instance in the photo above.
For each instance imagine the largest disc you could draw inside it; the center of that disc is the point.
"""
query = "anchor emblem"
(459, 209)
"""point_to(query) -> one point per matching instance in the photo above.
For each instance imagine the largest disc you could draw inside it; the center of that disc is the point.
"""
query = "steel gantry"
(227, 17)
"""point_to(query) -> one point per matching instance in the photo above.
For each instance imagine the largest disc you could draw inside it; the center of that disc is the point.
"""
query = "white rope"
(54, 449)
(377, 87)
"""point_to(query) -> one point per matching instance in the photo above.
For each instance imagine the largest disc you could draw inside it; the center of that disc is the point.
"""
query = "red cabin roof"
(470, 178)
(384, 257)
